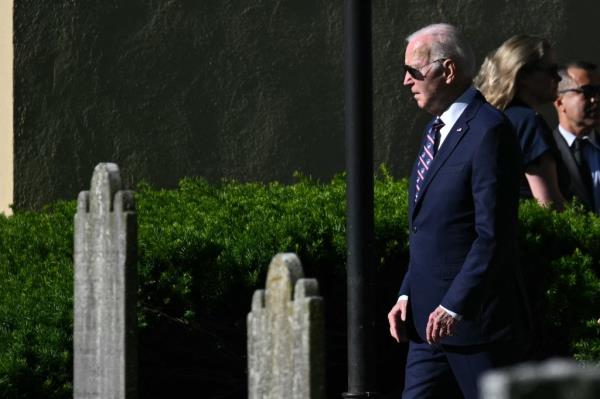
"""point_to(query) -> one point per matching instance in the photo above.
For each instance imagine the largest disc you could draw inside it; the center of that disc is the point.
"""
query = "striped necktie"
(427, 153)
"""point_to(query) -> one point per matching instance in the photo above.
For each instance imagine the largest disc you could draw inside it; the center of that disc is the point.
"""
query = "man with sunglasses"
(458, 303)
(578, 109)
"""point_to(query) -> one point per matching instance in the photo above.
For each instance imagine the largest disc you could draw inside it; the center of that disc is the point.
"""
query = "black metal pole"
(359, 169)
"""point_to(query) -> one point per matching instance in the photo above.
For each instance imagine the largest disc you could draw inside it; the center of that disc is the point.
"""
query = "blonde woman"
(519, 77)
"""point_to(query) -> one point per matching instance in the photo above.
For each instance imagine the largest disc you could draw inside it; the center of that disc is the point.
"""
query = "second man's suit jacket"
(570, 181)
(463, 238)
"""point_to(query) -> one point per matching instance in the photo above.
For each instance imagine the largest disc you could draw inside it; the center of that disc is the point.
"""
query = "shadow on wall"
(227, 89)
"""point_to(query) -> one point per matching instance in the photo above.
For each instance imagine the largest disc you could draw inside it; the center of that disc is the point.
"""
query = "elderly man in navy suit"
(458, 302)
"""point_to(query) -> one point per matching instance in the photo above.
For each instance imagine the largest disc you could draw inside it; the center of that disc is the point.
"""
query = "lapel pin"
(459, 129)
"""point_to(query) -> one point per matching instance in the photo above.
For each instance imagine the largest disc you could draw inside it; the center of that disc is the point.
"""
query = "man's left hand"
(439, 325)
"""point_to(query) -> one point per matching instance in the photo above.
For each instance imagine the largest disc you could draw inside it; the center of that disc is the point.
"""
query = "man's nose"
(407, 79)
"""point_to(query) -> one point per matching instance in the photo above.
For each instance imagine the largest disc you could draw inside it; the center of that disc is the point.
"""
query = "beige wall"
(6, 105)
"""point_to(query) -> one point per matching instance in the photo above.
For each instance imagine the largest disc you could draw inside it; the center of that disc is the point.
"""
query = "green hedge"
(204, 248)
(36, 304)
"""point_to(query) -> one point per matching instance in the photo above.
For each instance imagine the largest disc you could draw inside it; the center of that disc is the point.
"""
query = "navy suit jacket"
(463, 238)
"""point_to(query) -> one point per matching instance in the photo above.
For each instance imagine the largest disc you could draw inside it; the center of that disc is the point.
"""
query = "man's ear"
(449, 70)
(558, 104)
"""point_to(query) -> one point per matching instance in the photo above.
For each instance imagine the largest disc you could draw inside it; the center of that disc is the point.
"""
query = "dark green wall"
(250, 90)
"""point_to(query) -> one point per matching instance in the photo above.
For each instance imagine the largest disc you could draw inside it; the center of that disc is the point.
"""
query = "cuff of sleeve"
(451, 313)
(402, 298)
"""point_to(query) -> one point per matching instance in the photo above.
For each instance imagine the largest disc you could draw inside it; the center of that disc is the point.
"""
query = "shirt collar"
(455, 110)
(568, 136)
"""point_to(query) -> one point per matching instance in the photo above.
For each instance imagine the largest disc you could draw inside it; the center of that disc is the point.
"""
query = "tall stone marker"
(286, 357)
(552, 379)
(105, 353)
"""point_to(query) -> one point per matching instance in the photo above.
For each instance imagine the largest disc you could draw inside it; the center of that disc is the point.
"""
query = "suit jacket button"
(414, 229)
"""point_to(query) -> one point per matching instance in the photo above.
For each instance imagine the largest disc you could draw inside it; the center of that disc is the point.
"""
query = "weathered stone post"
(552, 379)
(104, 339)
(286, 357)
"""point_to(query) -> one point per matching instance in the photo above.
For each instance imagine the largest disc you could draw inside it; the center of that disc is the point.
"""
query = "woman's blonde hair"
(498, 75)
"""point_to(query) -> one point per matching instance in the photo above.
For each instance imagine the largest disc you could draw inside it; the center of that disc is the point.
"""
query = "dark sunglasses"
(588, 91)
(416, 73)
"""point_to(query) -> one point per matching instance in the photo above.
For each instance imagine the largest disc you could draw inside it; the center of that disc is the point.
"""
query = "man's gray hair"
(448, 42)
(566, 81)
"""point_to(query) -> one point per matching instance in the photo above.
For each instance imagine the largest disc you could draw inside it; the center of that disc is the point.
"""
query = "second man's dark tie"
(578, 154)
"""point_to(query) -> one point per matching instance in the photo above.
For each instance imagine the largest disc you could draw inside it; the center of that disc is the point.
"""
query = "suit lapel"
(594, 139)
(457, 132)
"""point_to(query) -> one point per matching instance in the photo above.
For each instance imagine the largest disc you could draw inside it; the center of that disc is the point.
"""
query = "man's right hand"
(397, 320)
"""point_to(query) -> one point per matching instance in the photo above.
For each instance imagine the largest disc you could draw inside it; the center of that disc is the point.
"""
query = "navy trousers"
(441, 371)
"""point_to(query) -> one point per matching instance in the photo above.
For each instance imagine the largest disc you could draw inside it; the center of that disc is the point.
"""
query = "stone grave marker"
(286, 357)
(552, 379)
(104, 338)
